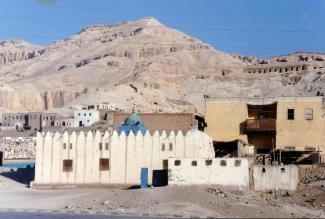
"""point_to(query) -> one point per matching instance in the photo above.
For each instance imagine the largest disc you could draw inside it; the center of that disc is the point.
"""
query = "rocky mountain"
(145, 65)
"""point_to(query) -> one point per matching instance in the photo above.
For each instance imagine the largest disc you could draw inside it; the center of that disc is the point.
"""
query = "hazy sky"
(253, 27)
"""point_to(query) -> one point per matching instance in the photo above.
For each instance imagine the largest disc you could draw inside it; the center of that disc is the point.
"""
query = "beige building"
(100, 158)
(287, 123)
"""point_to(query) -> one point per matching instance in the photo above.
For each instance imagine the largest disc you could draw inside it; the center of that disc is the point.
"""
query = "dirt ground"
(185, 201)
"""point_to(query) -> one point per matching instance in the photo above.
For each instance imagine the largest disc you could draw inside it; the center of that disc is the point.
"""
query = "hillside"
(141, 64)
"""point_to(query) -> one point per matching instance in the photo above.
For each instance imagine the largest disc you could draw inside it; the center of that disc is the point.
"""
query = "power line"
(57, 38)
(190, 13)
(216, 29)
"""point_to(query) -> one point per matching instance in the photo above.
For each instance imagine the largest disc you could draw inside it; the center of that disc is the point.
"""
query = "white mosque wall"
(126, 155)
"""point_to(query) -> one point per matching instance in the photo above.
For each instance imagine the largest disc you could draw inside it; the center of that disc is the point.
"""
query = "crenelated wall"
(126, 154)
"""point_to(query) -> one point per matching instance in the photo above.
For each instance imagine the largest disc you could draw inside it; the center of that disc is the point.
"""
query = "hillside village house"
(28, 121)
(286, 123)
(102, 106)
(64, 122)
(48, 119)
(86, 117)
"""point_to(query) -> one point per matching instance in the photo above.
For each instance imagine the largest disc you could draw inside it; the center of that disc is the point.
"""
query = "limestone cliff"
(143, 65)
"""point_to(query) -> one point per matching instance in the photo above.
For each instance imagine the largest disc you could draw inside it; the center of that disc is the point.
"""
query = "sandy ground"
(186, 201)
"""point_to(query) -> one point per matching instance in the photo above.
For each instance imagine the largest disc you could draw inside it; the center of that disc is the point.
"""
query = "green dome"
(133, 119)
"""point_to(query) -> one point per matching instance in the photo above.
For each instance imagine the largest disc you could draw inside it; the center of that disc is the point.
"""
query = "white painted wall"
(229, 175)
(87, 117)
(126, 154)
(275, 177)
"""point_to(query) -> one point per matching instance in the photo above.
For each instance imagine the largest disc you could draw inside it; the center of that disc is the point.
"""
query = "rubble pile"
(310, 174)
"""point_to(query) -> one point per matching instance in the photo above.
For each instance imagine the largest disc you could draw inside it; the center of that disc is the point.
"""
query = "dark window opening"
(64, 145)
(177, 162)
(103, 164)
(100, 146)
(208, 162)
(67, 165)
(237, 163)
(223, 163)
(291, 114)
(263, 170)
(163, 147)
(194, 163)
(106, 146)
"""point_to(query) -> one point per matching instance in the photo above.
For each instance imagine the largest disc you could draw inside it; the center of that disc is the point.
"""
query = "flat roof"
(265, 100)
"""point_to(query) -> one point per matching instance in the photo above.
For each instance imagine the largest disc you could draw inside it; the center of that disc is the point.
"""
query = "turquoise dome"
(132, 120)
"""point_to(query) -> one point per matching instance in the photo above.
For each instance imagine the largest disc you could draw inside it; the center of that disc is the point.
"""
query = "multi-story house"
(269, 124)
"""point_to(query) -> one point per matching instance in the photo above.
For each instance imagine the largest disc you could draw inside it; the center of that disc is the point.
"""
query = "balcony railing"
(253, 125)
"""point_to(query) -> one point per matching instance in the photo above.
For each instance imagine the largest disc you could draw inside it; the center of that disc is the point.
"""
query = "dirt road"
(186, 201)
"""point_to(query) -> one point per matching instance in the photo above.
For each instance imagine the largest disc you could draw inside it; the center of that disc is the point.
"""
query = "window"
(291, 114)
(100, 146)
(177, 162)
(309, 114)
(64, 145)
(237, 163)
(223, 163)
(163, 147)
(194, 163)
(282, 170)
(78, 114)
(67, 165)
(263, 170)
(89, 114)
(208, 162)
(84, 114)
(170, 146)
(106, 146)
(70, 147)
(103, 164)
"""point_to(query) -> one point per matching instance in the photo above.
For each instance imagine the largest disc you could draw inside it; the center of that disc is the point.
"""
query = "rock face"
(12, 51)
(143, 65)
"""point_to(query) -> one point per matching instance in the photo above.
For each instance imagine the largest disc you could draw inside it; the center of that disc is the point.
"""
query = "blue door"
(144, 178)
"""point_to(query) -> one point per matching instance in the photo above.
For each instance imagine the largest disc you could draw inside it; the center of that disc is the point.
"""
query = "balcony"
(258, 125)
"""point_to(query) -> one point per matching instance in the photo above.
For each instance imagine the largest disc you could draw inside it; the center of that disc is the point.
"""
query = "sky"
(261, 28)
